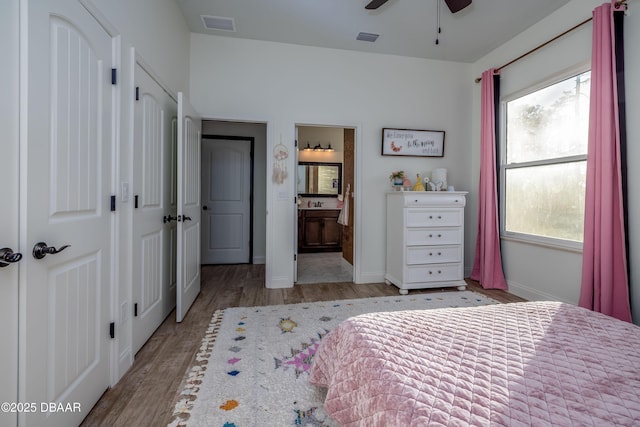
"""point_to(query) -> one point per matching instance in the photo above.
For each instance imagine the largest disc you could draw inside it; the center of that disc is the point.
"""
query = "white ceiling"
(406, 27)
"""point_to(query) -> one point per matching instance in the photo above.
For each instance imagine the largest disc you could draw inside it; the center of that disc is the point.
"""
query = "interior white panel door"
(188, 253)
(66, 186)
(9, 212)
(226, 201)
(154, 115)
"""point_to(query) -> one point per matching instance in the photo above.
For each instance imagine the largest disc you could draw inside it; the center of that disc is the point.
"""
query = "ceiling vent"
(367, 37)
(218, 23)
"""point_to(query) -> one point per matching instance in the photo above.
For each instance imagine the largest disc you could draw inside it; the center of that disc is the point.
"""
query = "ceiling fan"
(454, 5)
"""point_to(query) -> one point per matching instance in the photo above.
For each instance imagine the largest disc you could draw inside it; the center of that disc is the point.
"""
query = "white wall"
(287, 84)
(259, 132)
(632, 72)
(537, 272)
(156, 28)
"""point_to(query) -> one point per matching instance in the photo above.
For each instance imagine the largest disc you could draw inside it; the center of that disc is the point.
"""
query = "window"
(544, 162)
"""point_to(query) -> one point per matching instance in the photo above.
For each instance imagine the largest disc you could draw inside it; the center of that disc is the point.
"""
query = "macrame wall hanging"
(280, 155)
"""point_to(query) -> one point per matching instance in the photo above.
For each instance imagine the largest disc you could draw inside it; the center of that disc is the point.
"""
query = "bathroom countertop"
(313, 208)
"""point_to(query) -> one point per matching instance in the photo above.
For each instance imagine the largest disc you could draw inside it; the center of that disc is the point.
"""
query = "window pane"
(549, 123)
(546, 200)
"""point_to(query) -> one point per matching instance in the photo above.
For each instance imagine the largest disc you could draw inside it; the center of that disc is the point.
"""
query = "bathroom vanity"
(319, 231)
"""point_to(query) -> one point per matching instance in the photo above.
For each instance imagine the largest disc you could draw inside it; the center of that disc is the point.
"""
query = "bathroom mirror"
(319, 179)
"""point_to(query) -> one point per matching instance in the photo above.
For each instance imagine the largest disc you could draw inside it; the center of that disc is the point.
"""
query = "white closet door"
(66, 187)
(188, 256)
(153, 296)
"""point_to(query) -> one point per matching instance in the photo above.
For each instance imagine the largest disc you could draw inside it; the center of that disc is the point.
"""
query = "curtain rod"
(479, 79)
(617, 5)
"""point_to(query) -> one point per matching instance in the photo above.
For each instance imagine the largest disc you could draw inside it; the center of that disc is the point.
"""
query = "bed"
(518, 364)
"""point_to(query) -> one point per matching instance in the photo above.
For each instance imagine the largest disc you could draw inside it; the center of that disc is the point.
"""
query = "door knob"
(184, 218)
(205, 207)
(7, 256)
(40, 250)
(169, 218)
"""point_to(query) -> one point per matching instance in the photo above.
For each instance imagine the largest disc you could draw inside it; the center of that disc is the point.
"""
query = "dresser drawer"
(434, 236)
(434, 273)
(433, 254)
(435, 198)
(433, 217)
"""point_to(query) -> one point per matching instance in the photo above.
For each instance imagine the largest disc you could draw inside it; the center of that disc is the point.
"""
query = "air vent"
(367, 37)
(218, 23)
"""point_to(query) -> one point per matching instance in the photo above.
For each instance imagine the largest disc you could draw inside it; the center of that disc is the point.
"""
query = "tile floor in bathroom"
(323, 267)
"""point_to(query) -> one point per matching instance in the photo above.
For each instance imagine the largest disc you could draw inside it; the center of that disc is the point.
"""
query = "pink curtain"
(487, 265)
(604, 264)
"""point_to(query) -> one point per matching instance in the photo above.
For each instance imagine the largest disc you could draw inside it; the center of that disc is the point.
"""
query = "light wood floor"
(147, 393)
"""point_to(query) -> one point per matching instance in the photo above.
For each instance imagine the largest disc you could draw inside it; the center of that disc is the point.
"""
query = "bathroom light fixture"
(307, 148)
(319, 147)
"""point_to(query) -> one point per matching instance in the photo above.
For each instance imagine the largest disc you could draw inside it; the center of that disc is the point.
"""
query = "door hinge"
(114, 76)
(295, 257)
(135, 310)
(137, 93)
(135, 201)
(296, 142)
(112, 330)
(113, 203)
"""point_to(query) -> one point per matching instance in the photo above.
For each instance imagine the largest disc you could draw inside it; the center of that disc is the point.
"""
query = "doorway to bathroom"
(325, 179)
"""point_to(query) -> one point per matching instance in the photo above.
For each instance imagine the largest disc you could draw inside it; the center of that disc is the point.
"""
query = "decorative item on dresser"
(425, 240)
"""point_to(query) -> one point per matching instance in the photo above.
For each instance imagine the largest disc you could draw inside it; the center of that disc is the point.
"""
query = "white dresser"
(425, 239)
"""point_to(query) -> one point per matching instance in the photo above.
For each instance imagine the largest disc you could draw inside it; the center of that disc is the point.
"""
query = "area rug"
(253, 363)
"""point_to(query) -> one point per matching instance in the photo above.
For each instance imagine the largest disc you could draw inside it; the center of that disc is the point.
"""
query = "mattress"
(519, 364)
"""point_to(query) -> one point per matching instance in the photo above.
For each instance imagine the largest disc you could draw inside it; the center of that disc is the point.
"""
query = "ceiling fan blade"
(457, 5)
(375, 4)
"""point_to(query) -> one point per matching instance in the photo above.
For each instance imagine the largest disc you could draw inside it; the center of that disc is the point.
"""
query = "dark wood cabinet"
(319, 231)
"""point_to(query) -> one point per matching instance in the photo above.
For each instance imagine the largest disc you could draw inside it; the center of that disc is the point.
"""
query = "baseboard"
(531, 294)
(279, 283)
(259, 260)
(370, 278)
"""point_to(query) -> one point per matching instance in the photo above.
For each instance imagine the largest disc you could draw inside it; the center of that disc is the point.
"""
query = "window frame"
(551, 242)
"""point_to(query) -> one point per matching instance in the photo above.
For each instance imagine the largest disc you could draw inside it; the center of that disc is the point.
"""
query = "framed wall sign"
(412, 142)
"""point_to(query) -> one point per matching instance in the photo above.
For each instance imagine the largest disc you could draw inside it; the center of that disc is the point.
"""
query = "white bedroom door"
(226, 201)
(9, 211)
(188, 255)
(66, 188)
(154, 294)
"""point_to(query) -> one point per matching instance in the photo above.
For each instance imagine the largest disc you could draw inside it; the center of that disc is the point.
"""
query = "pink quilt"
(520, 364)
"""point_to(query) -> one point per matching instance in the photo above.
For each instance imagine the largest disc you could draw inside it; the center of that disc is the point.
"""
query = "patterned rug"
(253, 362)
